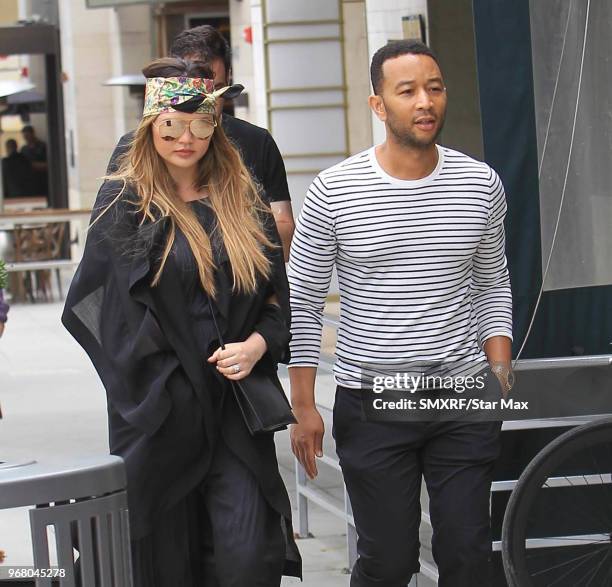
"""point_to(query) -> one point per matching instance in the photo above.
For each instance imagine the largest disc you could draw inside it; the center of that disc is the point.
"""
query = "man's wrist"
(302, 400)
(302, 379)
(303, 408)
(504, 373)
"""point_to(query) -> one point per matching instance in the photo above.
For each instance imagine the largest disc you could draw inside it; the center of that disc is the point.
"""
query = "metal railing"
(10, 219)
(306, 492)
(14, 267)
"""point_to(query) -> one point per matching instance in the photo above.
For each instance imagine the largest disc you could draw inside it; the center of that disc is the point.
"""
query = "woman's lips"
(184, 153)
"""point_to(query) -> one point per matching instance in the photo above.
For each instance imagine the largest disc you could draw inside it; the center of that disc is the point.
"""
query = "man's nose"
(423, 99)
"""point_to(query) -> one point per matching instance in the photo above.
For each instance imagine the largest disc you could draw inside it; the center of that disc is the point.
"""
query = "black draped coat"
(166, 404)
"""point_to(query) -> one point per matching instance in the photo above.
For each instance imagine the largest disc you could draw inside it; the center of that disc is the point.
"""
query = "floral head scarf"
(185, 94)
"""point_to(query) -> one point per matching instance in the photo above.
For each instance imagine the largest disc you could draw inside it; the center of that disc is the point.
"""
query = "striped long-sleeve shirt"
(421, 265)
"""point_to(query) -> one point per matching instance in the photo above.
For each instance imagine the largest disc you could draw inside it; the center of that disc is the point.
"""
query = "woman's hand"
(237, 360)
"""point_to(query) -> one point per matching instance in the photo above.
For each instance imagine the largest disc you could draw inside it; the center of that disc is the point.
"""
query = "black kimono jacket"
(163, 397)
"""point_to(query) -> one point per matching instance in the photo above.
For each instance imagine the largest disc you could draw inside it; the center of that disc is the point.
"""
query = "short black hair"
(11, 143)
(204, 41)
(177, 67)
(394, 49)
(28, 128)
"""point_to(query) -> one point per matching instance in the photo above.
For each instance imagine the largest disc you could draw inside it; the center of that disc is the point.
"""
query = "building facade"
(304, 66)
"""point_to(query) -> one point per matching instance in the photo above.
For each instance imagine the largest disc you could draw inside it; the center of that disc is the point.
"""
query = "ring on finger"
(236, 369)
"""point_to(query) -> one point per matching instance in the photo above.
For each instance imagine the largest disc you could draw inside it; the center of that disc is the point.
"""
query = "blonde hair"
(233, 196)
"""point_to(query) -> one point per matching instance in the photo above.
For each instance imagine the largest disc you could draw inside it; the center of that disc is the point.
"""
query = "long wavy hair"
(234, 197)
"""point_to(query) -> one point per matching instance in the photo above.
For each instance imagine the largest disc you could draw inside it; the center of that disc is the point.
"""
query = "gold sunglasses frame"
(187, 125)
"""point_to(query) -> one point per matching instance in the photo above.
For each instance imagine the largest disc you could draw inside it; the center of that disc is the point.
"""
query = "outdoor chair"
(38, 243)
(85, 503)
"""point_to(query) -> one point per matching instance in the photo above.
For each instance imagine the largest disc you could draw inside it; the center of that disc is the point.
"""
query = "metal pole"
(351, 533)
(302, 503)
(57, 176)
(1, 179)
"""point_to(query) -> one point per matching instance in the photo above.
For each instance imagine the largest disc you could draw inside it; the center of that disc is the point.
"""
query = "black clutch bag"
(260, 397)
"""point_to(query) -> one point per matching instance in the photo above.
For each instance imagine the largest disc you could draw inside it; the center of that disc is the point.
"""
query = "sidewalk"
(54, 408)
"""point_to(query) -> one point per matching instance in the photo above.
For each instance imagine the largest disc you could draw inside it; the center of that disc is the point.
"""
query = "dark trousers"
(223, 534)
(383, 463)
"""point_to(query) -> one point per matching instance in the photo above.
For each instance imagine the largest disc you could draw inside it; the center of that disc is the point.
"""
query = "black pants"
(223, 534)
(383, 462)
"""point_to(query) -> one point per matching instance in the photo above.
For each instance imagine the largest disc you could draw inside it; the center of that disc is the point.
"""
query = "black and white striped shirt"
(421, 265)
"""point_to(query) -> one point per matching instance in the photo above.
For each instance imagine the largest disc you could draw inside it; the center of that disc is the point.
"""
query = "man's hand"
(307, 438)
(307, 434)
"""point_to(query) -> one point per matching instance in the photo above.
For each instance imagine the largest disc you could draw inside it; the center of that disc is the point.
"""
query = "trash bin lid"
(36, 482)
(12, 464)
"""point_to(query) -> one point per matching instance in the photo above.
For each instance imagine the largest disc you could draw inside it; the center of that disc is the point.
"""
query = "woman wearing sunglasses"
(182, 225)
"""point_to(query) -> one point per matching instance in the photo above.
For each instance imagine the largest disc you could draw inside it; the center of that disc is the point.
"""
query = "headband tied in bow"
(185, 94)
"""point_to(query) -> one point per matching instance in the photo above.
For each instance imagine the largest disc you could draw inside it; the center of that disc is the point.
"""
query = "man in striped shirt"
(416, 233)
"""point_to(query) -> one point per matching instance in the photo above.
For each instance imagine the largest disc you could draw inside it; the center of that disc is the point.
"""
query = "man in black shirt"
(16, 173)
(36, 151)
(257, 147)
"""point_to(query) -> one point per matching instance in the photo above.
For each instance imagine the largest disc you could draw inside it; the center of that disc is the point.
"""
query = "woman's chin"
(182, 162)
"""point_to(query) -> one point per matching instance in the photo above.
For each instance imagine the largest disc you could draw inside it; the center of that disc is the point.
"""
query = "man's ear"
(378, 107)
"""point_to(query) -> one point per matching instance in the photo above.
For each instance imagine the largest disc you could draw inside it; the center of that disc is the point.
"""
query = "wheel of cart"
(558, 522)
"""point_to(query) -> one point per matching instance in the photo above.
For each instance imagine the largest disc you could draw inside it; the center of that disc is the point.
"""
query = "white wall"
(242, 54)
(98, 44)
(130, 30)
(357, 75)
(258, 100)
(384, 19)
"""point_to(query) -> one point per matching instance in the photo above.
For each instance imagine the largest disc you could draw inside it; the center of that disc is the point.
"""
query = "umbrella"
(26, 97)
(132, 79)
(11, 87)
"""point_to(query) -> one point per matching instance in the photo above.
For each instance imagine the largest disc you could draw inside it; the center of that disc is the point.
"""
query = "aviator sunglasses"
(172, 129)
